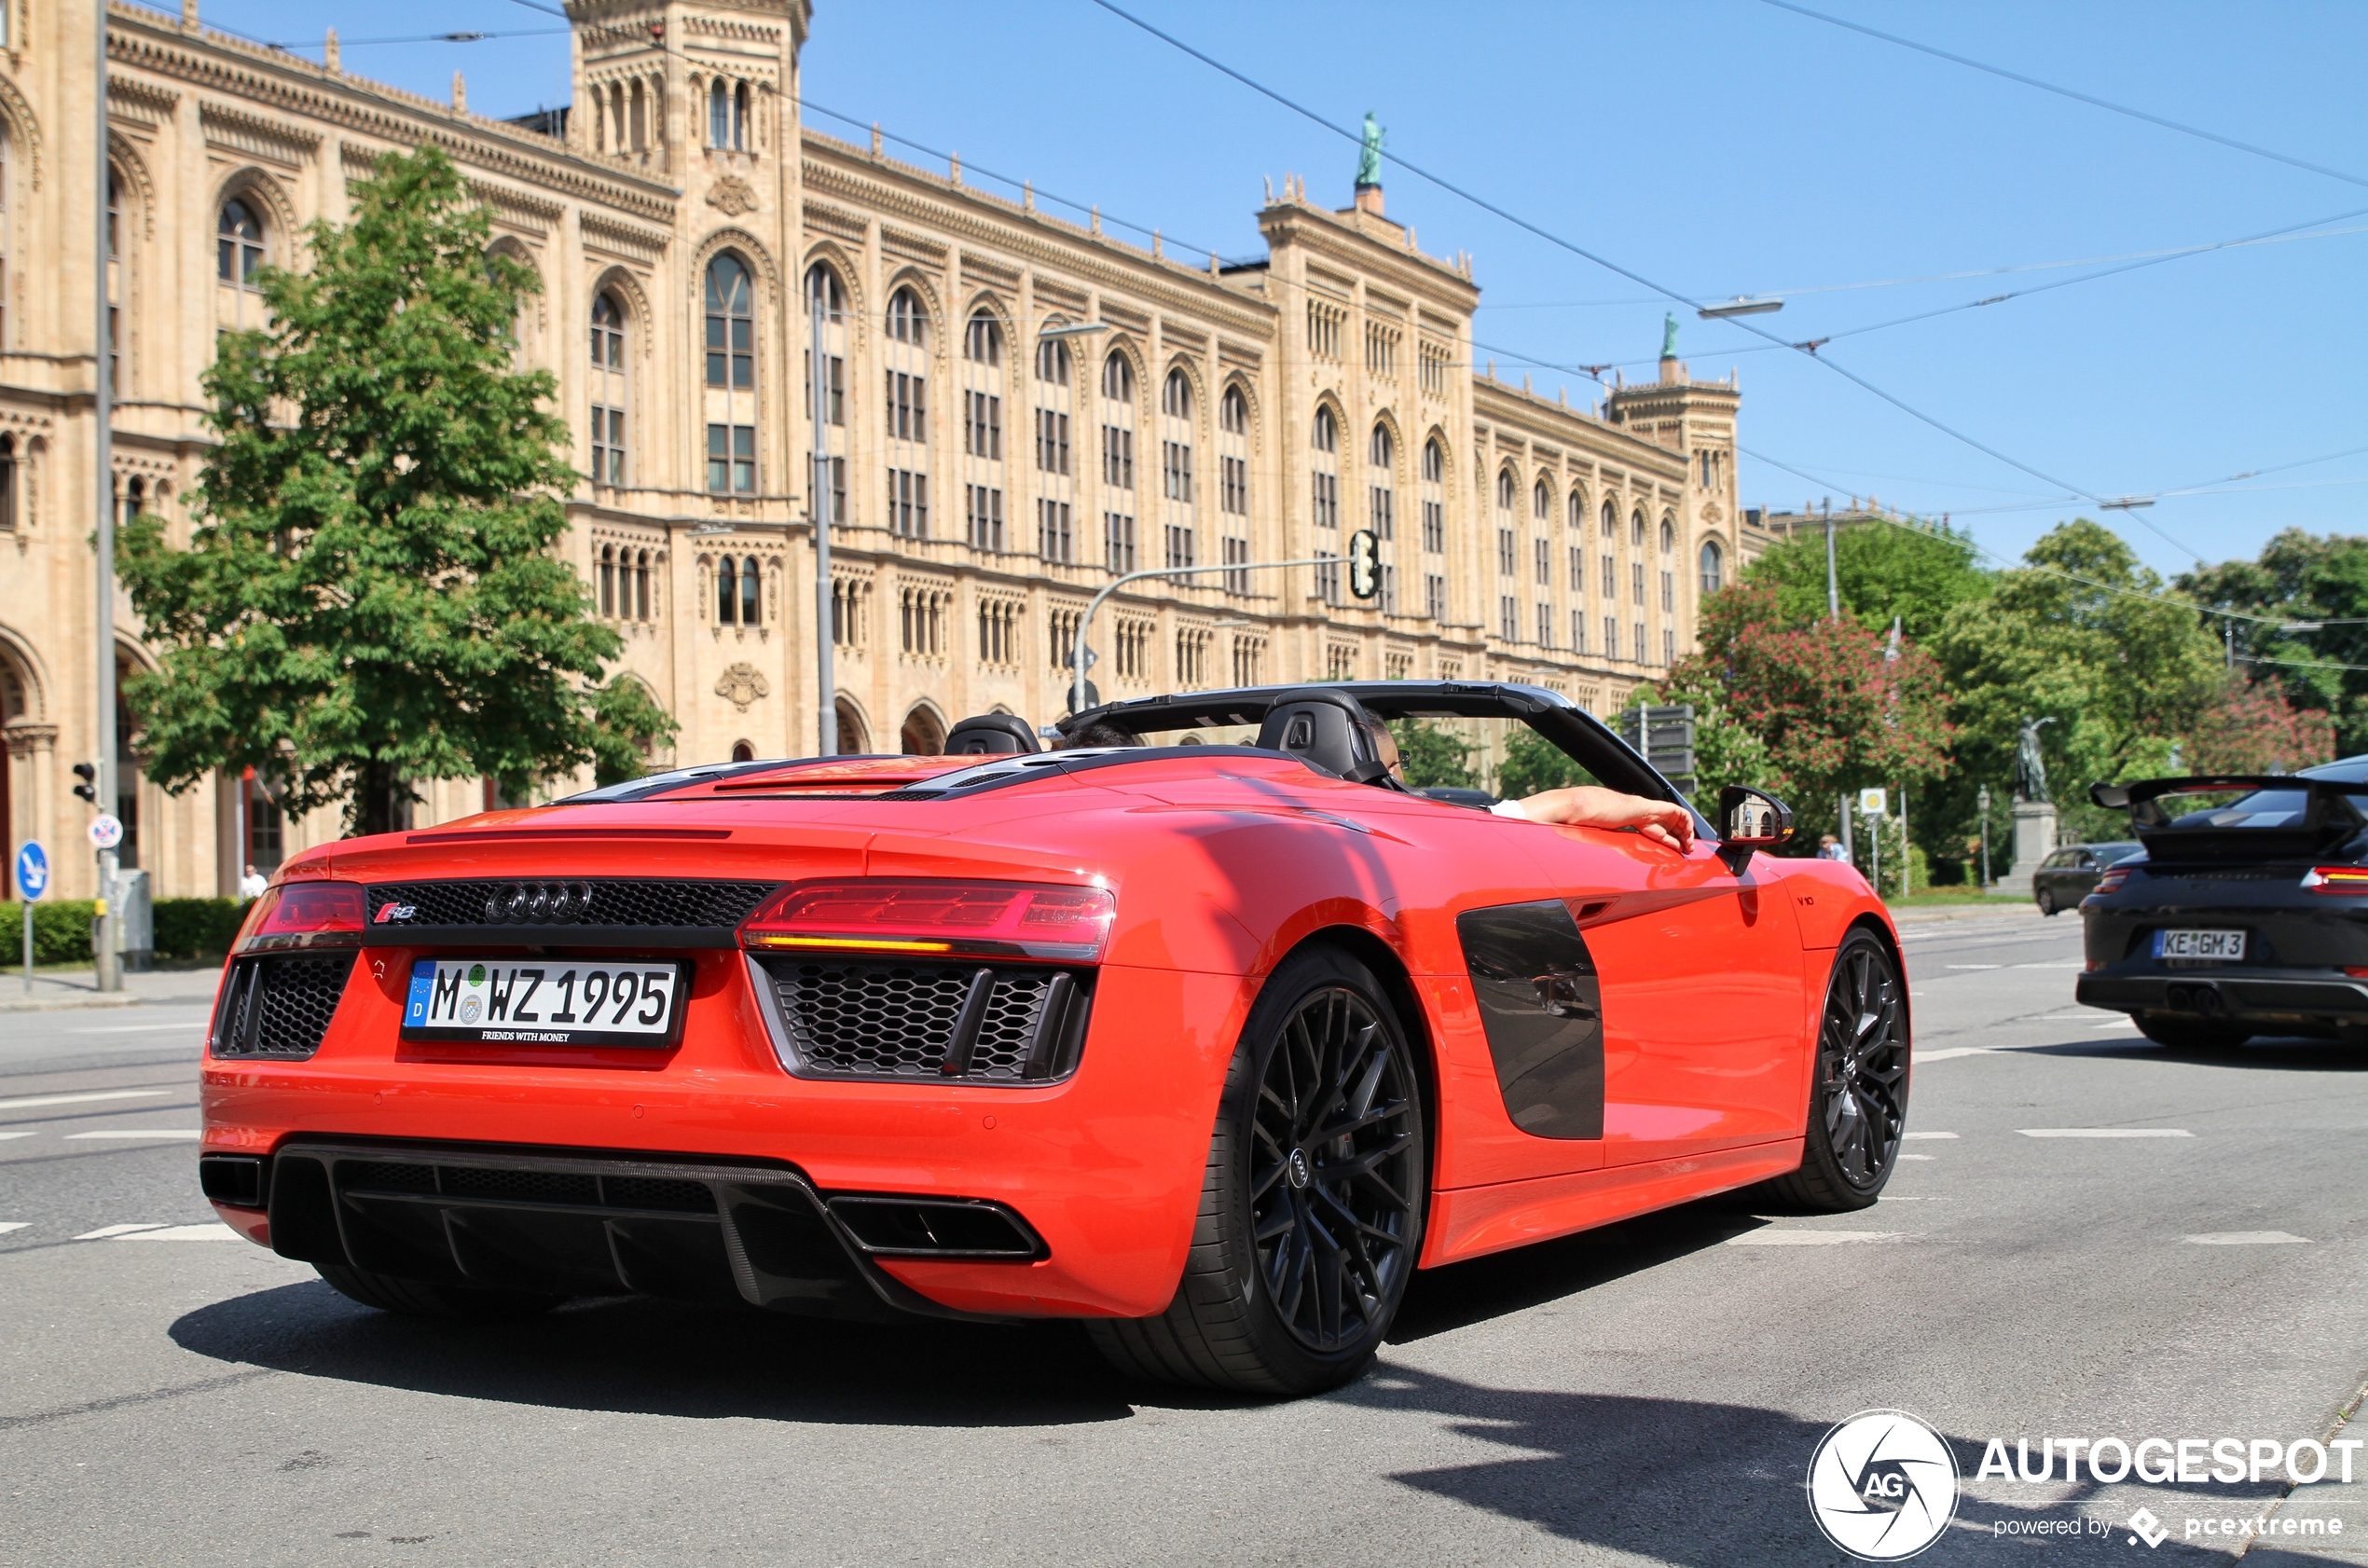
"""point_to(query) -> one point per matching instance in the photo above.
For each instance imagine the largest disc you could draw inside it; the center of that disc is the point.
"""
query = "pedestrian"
(252, 884)
(1830, 848)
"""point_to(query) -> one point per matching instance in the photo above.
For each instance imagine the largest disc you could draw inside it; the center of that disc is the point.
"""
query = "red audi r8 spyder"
(1208, 1040)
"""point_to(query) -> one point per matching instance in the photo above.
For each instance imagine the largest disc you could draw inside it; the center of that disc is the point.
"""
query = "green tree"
(2320, 582)
(1726, 751)
(1533, 762)
(370, 594)
(1832, 705)
(2083, 634)
(1881, 570)
(1434, 758)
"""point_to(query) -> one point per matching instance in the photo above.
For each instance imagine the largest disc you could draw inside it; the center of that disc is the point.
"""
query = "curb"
(63, 1004)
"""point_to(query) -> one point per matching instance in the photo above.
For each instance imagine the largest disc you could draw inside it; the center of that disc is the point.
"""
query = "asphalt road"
(1649, 1393)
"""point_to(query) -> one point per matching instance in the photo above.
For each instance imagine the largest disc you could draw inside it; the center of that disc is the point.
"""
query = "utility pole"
(1834, 611)
(1981, 799)
(826, 688)
(103, 412)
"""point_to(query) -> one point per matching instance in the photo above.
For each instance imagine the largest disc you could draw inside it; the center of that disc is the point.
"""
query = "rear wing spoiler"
(2329, 816)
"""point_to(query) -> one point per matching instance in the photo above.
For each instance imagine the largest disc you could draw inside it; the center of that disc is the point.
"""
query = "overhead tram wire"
(2077, 97)
(1557, 241)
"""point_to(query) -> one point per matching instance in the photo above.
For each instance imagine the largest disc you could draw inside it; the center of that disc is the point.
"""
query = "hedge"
(185, 928)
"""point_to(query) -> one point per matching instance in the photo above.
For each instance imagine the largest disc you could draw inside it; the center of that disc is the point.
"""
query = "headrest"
(991, 735)
(1326, 727)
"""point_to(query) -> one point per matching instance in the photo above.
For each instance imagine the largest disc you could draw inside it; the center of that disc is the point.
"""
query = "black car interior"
(992, 735)
(1328, 728)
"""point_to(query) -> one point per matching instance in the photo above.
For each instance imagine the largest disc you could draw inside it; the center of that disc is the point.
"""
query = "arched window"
(608, 390)
(608, 580)
(1714, 562)
(1234, 412)
(982, 433)
(1611, 521)
(749, 609)
(1636, 528)
(1119, 553)
(1233, 485)
(907, 321)
(1541, 502)
(908, 415)
(1576, 512)
(983, 340)
(8, 484)
(1382, 483)
(238, 244)
(1177, 469)
(1324, 437)
(8, 236)
(638, 136)
(1505, 491)
(743, 752)
(727, 115)
(727, 591)
(1434, 495)
(731, 378)
(1327, 437)
(1053, 362)
(641, 586)
(1668, 536)
(118, 281)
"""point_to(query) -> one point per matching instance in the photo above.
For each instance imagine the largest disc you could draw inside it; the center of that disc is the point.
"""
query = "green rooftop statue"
(1669, 336)
(1368, 159)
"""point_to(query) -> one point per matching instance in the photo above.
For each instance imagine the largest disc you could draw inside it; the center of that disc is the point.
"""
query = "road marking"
(212, 1230)
(2244, 1238)
(2065, 1018)
(1916, 1157)
(140, 1028)
(106, 1231)
(1808, 1238)
(79, 1099)
(2051, 966)
(1953, 1052)
(18, 1134)
(8, 1224)
(141, 1132)
(2104, 1132)
(1927, 1134)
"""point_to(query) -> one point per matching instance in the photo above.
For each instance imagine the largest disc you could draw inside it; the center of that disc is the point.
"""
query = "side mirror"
(1750, 820)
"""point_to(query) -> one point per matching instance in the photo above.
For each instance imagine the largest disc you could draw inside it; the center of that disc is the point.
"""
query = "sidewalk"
(58, 989)
(2010, 909)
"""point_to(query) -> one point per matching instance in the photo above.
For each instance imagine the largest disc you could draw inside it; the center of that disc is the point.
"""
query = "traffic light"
(89, 789)
(1364, 564)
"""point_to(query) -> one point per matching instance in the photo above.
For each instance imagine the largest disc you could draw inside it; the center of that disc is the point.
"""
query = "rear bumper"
(568, 1222)
(2263, 997)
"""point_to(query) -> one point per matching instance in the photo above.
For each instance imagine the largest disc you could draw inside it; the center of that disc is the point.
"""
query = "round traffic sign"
(33, 871)
(106, 831)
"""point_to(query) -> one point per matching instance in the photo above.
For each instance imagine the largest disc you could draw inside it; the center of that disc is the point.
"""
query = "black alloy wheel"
(1858, 1102)
(1313, 1202)
(2046, 903)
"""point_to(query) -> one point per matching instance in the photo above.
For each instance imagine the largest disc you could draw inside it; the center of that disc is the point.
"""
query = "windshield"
(1501, 756)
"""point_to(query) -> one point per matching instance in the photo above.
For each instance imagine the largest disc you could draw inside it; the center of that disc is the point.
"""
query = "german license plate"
(2227, 946)
(544, 1001)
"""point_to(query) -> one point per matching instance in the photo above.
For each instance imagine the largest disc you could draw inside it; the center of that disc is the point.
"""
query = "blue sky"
(1716, 147)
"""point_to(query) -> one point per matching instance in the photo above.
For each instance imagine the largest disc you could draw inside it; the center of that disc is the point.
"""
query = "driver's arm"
(1591, 806)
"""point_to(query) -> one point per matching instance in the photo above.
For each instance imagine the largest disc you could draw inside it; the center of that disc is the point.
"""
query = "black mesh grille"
(524, 1186)
(875, 1019)
(859, 1019)
(650, 1192)
(280, 1007)
(568, 901)
(1013, 1010)
(374, 1177)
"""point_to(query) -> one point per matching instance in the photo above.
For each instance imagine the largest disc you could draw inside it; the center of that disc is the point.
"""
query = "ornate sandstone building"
(984, 479)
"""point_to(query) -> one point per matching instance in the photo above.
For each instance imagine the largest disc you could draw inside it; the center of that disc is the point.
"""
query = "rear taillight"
(2337, 879)
(981, 919)
(304, 915)
(2112, 879)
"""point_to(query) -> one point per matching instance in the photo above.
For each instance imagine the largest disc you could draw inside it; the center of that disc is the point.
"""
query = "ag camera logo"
(1882, 1486)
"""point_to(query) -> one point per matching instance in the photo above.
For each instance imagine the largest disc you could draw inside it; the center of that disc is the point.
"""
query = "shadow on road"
(2283, 1054)
(661, 1358)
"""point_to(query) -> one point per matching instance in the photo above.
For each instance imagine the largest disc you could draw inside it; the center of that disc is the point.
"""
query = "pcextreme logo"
(1882, 1486)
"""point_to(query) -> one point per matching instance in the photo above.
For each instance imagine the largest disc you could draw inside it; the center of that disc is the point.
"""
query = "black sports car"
(2065, 877)
(2248, 913)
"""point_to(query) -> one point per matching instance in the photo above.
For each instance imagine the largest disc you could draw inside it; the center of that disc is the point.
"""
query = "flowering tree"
(2251, 728)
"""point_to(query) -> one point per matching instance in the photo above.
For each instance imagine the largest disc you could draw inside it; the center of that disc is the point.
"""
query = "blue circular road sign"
(33, 871)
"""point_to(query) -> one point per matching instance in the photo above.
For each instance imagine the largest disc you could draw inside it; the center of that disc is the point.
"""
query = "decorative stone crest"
(742, 684)
(1710, 511)
(732, 195)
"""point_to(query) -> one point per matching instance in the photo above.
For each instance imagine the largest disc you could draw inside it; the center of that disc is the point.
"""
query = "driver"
(1582, 805)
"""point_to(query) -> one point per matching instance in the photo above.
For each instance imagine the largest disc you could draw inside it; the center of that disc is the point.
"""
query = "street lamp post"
(102, 413)
(1981, 802)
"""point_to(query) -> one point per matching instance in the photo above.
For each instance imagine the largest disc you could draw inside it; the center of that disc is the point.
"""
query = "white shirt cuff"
(1510, 808)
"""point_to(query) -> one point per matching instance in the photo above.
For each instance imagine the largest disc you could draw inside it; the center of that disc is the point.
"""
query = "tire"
(1268, 1305)
(419, 1299)
(2047, 904)
(1858, 1099)
(2189, 1033)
